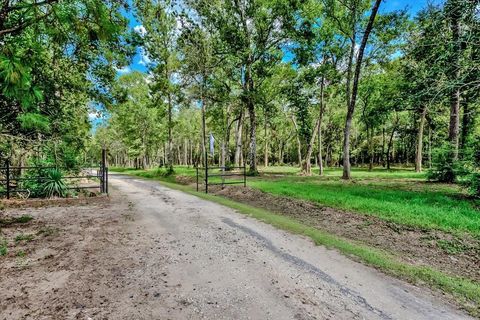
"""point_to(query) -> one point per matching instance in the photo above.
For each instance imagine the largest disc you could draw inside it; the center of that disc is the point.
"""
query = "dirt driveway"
(157, 253)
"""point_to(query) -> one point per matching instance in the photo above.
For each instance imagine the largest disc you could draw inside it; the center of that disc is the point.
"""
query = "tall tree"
(251, 33)
(160, 43)
(353, 98)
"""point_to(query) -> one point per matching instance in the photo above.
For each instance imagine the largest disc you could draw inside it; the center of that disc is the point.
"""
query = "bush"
(473, 184)
(445, 168)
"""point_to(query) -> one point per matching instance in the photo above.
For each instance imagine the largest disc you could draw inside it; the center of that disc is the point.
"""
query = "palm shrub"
(54, 184)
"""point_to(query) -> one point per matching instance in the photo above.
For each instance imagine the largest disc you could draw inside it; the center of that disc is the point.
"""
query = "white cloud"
(124, 70)
(144, 59)
(140, 30)
(92, 116)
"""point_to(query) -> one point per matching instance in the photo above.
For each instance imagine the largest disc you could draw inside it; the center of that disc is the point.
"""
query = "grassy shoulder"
(465, 292)
(400, 196)
(425, 208)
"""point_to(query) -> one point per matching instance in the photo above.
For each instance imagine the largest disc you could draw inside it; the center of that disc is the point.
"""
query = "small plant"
(3, 247)
(22, 219)
(24, 237)
(25, 218)
(452, 246)
(21, 254)
(48, 231)
(54, 184)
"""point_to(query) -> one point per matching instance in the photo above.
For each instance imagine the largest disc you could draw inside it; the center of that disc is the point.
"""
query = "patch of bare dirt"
(76, 262)
(450, 253)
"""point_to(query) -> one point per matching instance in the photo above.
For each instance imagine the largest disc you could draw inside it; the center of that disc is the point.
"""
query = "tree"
(43, 106)
(251, 33)
(353, 98)
(159, 40)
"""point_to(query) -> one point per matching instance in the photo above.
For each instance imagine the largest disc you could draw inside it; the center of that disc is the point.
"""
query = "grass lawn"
(426, 206)
(400, 195)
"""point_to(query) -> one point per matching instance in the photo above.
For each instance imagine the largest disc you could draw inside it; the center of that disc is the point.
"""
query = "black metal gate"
(14, 178)
(221, 176)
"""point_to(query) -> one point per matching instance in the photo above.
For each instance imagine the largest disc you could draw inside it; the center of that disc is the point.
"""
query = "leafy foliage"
(445, 167)
(53, 184)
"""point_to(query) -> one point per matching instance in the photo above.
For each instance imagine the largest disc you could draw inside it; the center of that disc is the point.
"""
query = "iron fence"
(221, 176)
(14, 178)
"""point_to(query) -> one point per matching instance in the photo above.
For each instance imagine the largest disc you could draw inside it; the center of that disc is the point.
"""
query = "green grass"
(357, 173)
(400, 195)
(426, 207)
(9, 221)
(466, 292)
(3, 247)
(24, 237)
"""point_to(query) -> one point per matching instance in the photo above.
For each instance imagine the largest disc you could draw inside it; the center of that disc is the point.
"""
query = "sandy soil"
(155, 253)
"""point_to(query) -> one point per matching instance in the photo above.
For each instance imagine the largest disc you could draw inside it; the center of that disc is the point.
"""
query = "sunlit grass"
(429, 206)
(400, 195)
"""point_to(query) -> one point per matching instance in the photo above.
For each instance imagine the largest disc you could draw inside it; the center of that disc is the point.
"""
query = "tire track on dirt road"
(223, 265)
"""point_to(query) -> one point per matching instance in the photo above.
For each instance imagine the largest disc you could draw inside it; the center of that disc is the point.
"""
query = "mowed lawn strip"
(420, 208)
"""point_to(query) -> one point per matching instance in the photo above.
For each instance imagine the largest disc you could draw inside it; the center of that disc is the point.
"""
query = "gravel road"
(219, 264)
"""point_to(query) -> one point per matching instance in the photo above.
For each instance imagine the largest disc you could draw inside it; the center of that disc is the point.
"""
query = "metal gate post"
(244, 176)
(206, 179)
(103, 171)
(106, 180)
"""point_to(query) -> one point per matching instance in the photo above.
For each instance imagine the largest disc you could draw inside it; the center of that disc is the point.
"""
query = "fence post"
(8, 179)
(106, 180)
(103, 168)
(244, 176)
(206, 179)
(100, 175)
(197, 176)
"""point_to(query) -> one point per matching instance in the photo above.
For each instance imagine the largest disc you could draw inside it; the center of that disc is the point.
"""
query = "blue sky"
(413, 6)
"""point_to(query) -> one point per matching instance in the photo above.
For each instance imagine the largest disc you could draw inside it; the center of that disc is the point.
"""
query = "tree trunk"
(169, 152)
(204, 133)
(265, 159)
(390, 143)
(299, 142)
(466, 124)
(250, 105)
(430, 147)
(370, 148)
(238, 140)
(351, 106)
(320, 160)
(453, 133)
(253, 138)
(383, 148)
(307, 166)
(419, 153)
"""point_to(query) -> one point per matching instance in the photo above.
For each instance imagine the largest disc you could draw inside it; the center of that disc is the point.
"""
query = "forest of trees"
(311, 83)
